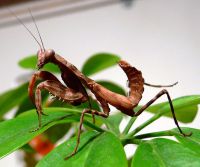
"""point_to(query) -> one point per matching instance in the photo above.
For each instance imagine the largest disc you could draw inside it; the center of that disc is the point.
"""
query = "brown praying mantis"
(74, 91)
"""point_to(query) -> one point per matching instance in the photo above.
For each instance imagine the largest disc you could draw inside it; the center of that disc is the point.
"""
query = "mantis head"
(44, 56)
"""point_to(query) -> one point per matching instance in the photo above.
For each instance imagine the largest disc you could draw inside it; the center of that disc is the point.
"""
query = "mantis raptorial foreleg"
(55, 88)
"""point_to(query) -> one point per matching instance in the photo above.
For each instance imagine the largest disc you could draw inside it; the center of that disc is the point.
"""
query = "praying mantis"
(74, 91)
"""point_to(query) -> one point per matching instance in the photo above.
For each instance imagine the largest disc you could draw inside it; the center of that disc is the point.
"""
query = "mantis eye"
(51, 52)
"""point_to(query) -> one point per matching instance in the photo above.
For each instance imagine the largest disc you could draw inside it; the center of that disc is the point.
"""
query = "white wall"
(159, 37)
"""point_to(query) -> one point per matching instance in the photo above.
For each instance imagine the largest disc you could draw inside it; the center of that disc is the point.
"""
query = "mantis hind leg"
(162, 92)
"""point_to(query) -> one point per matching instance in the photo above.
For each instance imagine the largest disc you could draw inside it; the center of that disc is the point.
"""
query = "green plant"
(99, 146)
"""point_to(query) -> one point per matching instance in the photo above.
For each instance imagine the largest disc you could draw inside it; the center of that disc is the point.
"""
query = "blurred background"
(159, 37)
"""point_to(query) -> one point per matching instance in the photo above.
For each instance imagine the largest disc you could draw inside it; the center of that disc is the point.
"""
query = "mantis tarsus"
(76, 83)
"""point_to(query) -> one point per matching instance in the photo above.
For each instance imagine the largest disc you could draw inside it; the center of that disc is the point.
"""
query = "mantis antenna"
(36, 28)
(20, 21)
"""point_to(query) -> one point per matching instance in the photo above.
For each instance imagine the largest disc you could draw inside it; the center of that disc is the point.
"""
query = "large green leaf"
(99, 150)
(99, 62)
(31, 63)
(164, 153)
(112, 86)
(12, 98)
(186, 108)
(16, 132)
(192, 142)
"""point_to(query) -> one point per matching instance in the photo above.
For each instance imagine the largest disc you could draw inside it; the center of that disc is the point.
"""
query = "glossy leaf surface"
(99, 150)
(99, 62)
(164, 153)
(186, 108)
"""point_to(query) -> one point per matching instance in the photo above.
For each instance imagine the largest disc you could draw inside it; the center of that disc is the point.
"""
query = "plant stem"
(156, 134)
(137, 139)
(136, 130)
(131, 141)
(129, 125)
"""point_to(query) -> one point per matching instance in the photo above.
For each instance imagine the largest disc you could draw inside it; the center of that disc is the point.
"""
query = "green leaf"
(186, 108)
(192, 142)
(31, 63)
(12, 98)
(112, 86)
(17, 132)
(113, 122)
(56, 132)
(25, 105)
(94, 105)
(99, 150)
(164, 153)
(99, 62)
